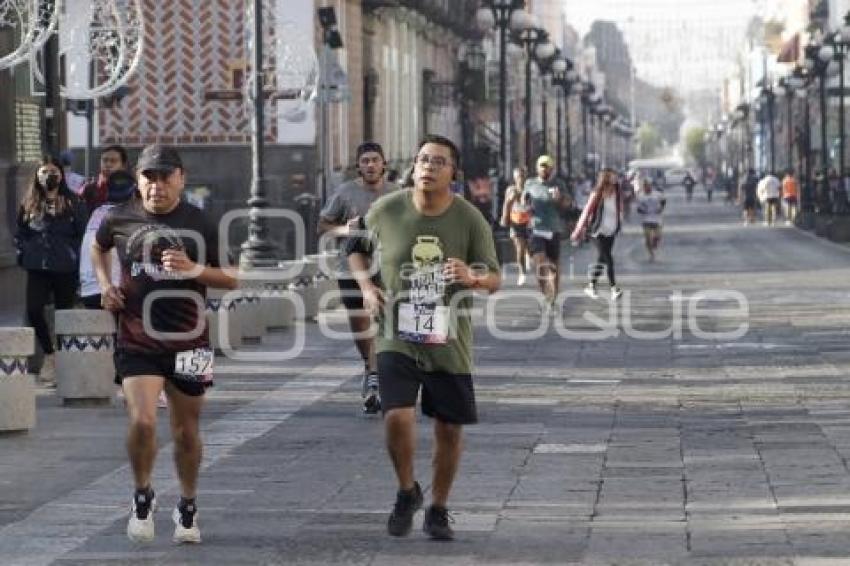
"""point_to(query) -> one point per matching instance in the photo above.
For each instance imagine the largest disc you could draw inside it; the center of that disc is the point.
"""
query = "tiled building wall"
(191, 48)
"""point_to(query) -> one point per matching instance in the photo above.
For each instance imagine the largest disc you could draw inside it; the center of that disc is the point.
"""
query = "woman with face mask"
(50, 226)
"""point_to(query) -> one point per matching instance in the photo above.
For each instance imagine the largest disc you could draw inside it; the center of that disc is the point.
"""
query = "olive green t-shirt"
(412, 249)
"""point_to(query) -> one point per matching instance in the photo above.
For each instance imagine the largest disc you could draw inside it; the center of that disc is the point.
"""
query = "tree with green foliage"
(695, 145)
(649, 141)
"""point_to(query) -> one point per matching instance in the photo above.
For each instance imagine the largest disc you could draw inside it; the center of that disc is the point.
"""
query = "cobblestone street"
(628, 450)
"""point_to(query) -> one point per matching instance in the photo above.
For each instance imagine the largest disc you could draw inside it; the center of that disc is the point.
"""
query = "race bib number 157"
(194, 365)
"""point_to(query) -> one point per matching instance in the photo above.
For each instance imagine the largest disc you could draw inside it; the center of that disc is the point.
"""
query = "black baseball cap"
(120, 186)
(156, 157)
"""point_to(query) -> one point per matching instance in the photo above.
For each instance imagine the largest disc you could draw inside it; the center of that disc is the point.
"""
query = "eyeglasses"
(436, 161)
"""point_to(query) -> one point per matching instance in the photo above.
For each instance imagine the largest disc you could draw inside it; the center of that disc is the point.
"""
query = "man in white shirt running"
(650, 207)
(769, 190)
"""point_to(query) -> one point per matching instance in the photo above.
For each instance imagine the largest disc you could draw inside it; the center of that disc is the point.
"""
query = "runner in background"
(516, 214)
(342, 214)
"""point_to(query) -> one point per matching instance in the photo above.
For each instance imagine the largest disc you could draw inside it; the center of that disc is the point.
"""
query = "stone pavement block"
(637, 544)
(722, 502)
(750, 560)
(397, 556)
(538, 542)
(840, 559)
(740, 545)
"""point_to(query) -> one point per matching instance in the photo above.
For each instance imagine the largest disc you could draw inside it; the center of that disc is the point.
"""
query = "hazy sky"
(686, 44)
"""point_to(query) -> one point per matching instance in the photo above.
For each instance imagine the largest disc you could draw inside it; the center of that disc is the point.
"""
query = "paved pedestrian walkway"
(686, 447)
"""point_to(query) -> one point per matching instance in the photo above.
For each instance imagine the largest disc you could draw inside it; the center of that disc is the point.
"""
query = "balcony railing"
(456, 15)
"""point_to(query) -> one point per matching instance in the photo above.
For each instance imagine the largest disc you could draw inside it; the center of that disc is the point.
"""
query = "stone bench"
(17, 386)
(85, 368)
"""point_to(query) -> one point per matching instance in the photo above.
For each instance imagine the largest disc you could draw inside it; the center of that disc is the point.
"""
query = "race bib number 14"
(423, 324)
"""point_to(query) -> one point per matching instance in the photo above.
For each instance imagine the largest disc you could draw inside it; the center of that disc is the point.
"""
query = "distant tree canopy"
(649, 141)
(695, 145)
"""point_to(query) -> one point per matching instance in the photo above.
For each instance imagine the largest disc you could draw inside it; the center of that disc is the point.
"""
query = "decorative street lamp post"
(499, 12)
(535, 40)
(586, 96)
(767, 99)
(817, 62)
(593, 119)
(564, 77)
(257, 250)
(545, 65)
(839, 45)
(798, 83)
(742, 112)
(785, 89)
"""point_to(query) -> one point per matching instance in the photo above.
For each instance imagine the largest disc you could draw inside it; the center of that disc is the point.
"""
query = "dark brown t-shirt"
(176, 320)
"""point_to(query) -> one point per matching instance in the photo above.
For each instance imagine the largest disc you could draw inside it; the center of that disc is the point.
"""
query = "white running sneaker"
(182, 533)
(616, 293)
(520, 280)
(141, 529)
(590, 291)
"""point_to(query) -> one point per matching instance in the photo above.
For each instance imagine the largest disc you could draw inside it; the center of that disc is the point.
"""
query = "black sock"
(144, 499)
(187, 510)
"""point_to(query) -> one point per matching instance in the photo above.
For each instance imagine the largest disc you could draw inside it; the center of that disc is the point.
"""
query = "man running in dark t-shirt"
(169, 255)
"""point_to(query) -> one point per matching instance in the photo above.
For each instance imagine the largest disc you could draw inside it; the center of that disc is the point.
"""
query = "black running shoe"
(436, 524)
(406, 505)
(372, 399)
(372, 404)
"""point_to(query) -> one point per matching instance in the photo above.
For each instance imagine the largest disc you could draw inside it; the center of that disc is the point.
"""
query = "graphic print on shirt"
(145, 247)
(424, 318)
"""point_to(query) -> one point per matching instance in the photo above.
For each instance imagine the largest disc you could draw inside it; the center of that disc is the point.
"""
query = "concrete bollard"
(305, 286)
(327, 265)
(85, 368)
(216, 305)
(251, 314)
(304, 289)
(17, 386)
(278, 310)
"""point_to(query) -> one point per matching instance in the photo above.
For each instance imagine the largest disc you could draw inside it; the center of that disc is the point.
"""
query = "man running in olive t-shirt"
(434, 248)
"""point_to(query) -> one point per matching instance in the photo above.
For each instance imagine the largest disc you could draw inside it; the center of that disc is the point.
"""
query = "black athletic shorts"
(550, 248)
(350, 294)
(447, 397)
(519, 231)
(129, 364)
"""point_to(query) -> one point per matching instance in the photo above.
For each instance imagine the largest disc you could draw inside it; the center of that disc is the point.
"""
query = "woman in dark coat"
(50, 226)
